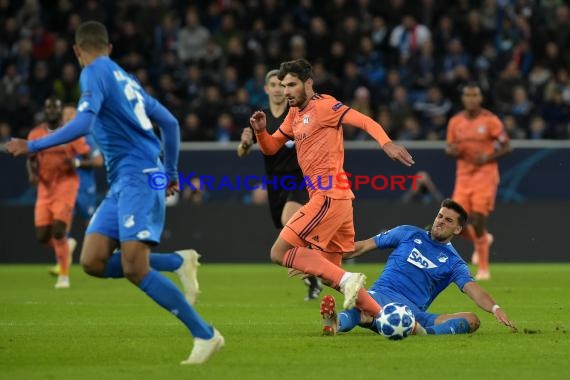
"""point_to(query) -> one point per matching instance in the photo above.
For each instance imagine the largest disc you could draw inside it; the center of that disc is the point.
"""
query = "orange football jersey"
(474, 137)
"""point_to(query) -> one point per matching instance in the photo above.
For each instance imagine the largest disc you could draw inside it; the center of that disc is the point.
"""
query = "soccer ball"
(396, 321)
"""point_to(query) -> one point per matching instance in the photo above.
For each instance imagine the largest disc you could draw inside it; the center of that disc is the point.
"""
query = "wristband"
(76, 162)
(494, 308)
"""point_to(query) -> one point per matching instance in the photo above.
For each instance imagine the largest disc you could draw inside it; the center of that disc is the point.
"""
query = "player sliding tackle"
(421, 266)
(317, 235)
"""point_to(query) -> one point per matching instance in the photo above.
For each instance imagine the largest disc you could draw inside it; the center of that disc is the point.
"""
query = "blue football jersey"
(419, 268)
(122, 128)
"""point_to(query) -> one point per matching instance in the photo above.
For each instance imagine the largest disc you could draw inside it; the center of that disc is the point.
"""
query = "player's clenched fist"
(258, 121)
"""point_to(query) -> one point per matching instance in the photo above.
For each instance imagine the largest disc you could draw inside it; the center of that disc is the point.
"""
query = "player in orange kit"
(318, 233)
(477, 138)
(54, 173)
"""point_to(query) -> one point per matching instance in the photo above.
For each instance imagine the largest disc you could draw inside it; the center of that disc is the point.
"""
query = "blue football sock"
(162, 262)
(167, 295)
(165, 262)
(348, 319)
(113, 268)
(451, 326)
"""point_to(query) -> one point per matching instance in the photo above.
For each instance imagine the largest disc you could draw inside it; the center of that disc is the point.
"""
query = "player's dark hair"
(92, 35)
(471, 84)
(452, 205)
(299, 68)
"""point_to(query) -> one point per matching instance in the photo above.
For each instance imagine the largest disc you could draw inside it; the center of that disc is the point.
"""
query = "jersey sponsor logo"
(306, 119)
(417, 241)
(481, 129)
(442, 258)
(316, 238)
(129, 221)
(337, 106)
(417, 259)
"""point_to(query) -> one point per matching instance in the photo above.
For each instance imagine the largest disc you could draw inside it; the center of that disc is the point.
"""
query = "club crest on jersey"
(128, 221)
(442, 258)
(337, 106)
(306, 119)
(417, 259)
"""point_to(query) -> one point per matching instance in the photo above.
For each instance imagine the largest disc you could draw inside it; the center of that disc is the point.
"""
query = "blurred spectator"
(409, 36)
(196, 194)
(255, 87)
(241, 109)
(41, 83)
(9, 85)
(424, 192)
(556, 114)
(400, 107)
(192, 38)
(225, 128)
(66, 86)
(5, 132)
(192, 130)
(395, 49)
(435, 104)
(522, 108)
(538, 129)
(512, 128)
(410, 129)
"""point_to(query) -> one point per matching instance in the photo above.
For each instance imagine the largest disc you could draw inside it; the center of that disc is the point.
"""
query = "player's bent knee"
(276, 256)
(59, 230)
(91, 266)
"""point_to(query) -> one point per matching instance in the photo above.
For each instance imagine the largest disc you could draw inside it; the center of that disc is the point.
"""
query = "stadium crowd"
(401, 62)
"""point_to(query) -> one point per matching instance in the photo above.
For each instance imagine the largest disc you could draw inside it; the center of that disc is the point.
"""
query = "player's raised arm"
(269, 144)
(487, 303)
(392, 150)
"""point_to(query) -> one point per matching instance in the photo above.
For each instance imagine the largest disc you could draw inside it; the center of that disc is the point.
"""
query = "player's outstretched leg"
(184, 263)
(350, 285)
(310, 261)
(329, 316)
(188, 273)
(204, 348)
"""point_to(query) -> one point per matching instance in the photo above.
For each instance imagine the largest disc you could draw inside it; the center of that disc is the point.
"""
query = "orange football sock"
(62, 255)
(482, 248)
(366, 303)
(312, 262)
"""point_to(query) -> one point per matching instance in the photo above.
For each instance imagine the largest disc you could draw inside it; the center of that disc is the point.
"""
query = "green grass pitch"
(108, 329)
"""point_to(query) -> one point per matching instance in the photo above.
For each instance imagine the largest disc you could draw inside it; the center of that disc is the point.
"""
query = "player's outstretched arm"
(360, 248)
(394, 151)
(269, 144)
(487, 303)
(79, 126)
